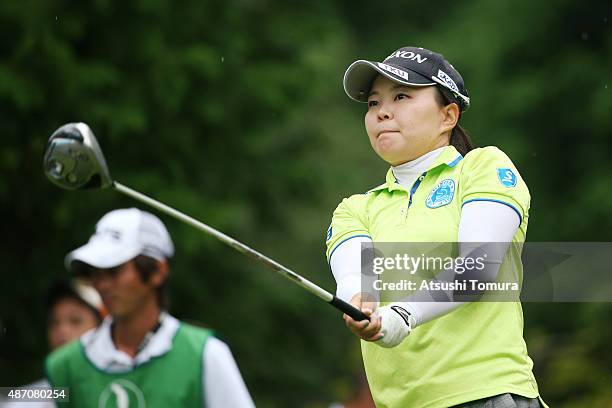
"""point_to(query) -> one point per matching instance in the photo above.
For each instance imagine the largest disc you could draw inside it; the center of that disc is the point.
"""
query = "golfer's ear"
(161, 275)
(450, 117)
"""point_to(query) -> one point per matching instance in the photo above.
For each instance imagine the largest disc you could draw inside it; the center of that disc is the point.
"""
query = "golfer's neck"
(129, 331)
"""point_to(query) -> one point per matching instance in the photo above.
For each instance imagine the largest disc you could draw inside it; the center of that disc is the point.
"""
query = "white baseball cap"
(122, 235)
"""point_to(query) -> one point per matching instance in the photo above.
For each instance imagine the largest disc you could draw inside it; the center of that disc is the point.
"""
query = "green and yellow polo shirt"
(477, 350)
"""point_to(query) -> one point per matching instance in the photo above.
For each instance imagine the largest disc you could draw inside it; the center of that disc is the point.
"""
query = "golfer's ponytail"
(461, 140)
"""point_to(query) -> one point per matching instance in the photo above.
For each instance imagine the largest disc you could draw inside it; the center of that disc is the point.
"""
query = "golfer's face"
(122, 289)
(402, 122)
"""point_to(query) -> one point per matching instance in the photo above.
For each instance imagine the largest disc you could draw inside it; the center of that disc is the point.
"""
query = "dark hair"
(459, 136)
(146, 267)
(62, 289)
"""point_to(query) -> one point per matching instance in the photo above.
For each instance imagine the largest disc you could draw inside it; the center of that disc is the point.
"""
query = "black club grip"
(349, 309)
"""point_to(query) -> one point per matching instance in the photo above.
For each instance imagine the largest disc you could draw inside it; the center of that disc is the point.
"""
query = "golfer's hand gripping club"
(349, 309)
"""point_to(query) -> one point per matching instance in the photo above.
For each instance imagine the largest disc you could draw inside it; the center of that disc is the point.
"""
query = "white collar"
(409, 170)
(101, 351)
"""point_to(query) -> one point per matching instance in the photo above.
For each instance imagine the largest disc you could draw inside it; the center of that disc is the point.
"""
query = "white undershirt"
(407, 173)
(481, 221)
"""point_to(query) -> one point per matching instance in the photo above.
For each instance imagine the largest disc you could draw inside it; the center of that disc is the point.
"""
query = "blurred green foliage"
(234, 113)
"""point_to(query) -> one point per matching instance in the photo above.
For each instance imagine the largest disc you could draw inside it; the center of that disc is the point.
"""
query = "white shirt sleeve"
(345, 264)
(487, 221)
(222, 383)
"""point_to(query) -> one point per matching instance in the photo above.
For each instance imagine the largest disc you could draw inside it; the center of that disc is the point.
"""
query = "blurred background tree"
(235, 114)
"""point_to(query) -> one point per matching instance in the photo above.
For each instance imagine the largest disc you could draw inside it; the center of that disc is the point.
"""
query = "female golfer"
(439, 189)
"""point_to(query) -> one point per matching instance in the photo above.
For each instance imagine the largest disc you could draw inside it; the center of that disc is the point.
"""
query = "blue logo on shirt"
(329, 233)
(506, 177)
(442, 194)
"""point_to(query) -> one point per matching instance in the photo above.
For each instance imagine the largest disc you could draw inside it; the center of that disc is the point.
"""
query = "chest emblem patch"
(442, 194)
(506, 177)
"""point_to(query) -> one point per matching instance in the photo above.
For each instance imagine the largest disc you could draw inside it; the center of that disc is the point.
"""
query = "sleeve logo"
(442, 194)
(506, 177)
(329, 233)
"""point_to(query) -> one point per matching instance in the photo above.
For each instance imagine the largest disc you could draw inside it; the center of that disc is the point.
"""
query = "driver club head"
(73, 159)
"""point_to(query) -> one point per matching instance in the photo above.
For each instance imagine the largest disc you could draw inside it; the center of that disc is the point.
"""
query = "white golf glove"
(396, 324)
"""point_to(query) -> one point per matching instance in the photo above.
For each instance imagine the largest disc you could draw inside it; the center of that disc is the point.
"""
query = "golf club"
(73, 160)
